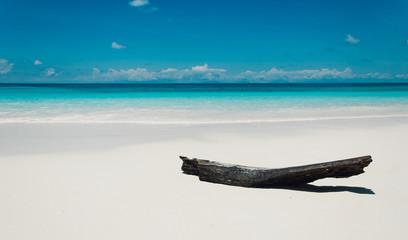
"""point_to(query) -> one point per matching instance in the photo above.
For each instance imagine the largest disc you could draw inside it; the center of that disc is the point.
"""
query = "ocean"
(198, 103)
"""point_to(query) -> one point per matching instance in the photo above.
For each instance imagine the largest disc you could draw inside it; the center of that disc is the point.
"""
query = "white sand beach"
(123, 181)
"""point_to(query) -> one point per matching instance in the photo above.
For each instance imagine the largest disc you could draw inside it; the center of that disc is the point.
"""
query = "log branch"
(244, 176)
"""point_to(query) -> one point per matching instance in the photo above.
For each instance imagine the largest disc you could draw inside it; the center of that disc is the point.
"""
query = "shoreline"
(209, 123)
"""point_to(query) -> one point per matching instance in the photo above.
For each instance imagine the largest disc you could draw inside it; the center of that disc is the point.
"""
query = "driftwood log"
(244, 176)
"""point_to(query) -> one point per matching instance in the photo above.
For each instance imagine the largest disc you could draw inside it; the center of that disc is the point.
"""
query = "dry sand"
(123, 181)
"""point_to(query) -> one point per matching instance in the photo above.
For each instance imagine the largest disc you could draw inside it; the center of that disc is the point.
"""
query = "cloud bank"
(202, 74)
(5, 66)
(37, 62)
(205, 74)
(307, 74)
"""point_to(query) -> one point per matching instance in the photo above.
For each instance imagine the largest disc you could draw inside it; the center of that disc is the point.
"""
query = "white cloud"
(279, 74)
(96, 71)
(375, 75)
(117, 46)
(142, 74)
(200, 68)
(49, 72)
(169, 70)
(351, 39)
(196, 73)
(138, 3)
(37, 62)
(5, 66)
(401, 76)
(205, 68)
(138, 74)
(307, 74)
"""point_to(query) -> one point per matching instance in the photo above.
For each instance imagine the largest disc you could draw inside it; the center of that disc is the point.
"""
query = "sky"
(122, 41)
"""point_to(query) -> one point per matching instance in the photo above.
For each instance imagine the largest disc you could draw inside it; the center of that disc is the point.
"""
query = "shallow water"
(198, 103)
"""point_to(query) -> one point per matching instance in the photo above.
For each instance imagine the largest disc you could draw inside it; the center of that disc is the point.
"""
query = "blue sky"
(203, 41)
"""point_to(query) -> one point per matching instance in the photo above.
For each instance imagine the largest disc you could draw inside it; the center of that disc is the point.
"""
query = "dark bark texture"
(244, 176)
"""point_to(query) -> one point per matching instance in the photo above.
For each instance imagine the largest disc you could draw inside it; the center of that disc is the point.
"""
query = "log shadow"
(322, 189)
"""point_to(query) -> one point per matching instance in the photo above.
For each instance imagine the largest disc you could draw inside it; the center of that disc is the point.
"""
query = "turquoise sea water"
(198, 103)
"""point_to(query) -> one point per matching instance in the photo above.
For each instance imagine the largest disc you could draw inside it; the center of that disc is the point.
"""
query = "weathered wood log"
(244, 176)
